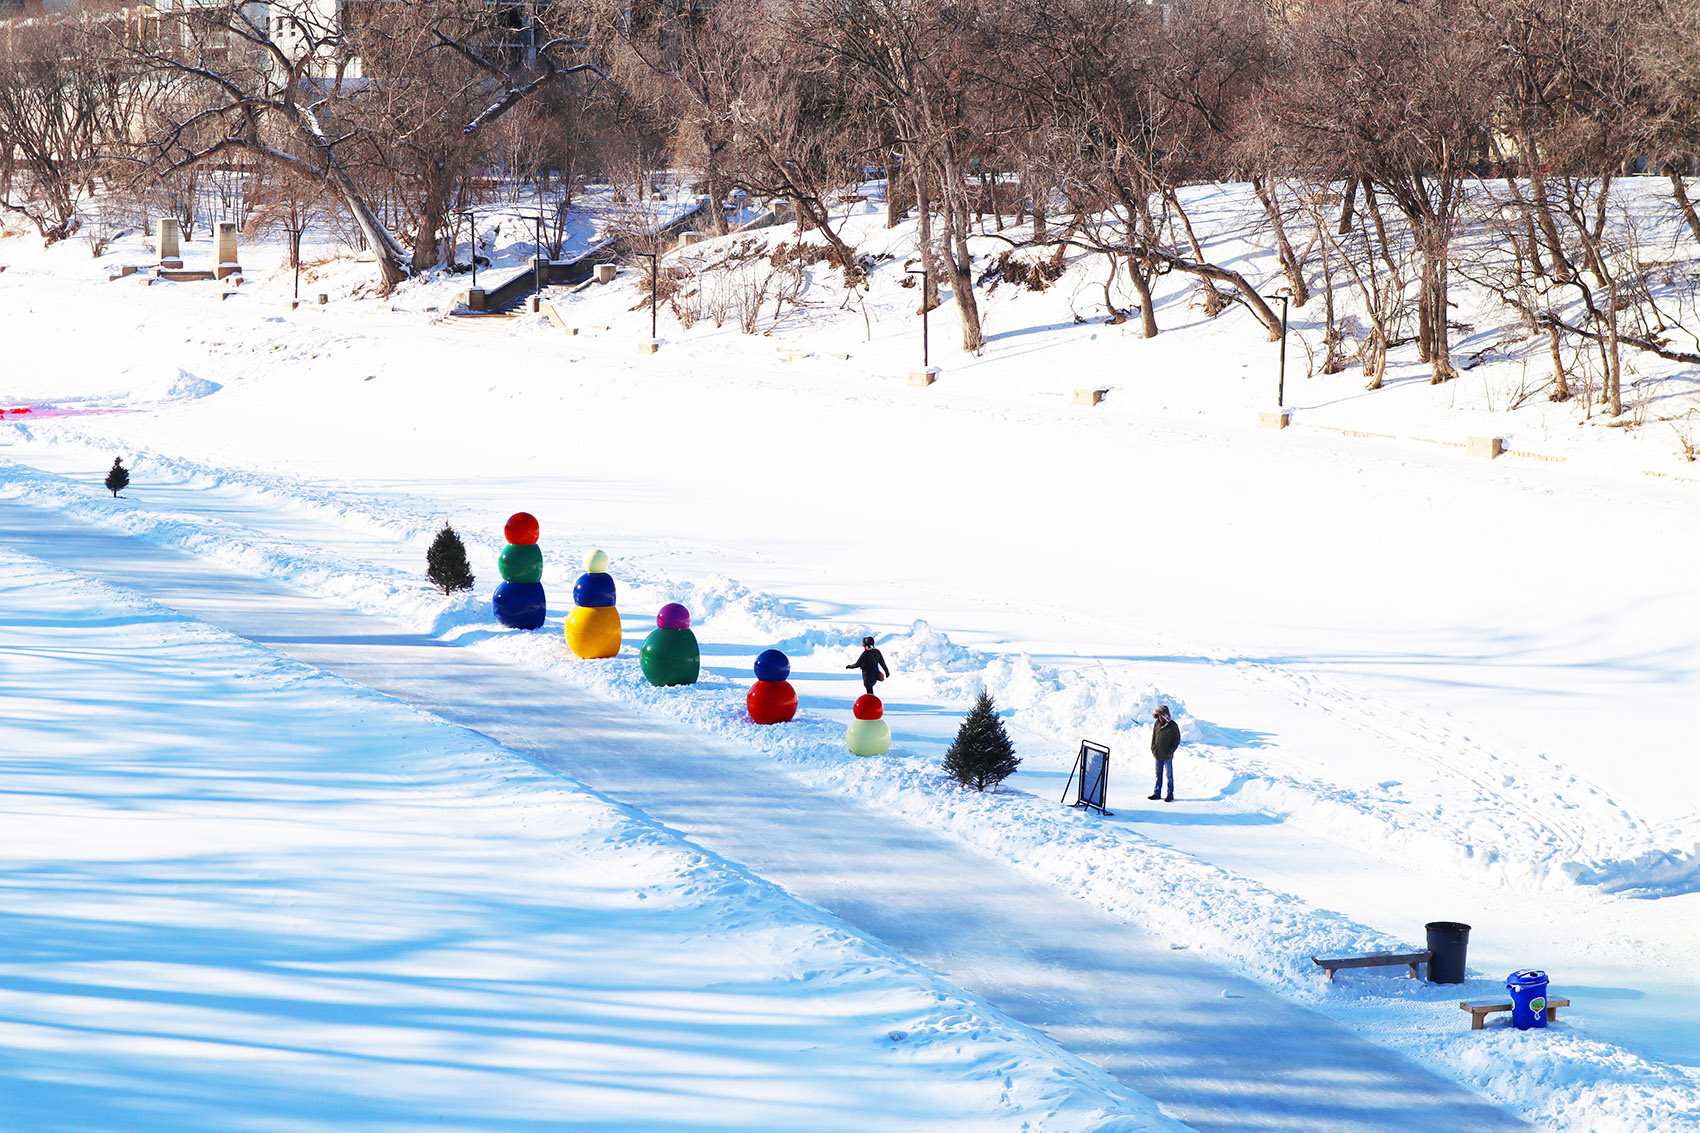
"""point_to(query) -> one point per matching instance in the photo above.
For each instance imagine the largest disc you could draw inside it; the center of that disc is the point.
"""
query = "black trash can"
(1448, 940)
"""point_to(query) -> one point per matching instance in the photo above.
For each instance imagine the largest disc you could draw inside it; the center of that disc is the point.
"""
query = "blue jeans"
(1165, 767)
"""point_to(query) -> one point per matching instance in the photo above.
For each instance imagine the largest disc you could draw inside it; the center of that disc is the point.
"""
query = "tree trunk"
(1680, 192)
(1560, 380)
(433, 208)
(1376, 364)
(1433, 309)
(1212, 301)
(1283, 248)
(924, 237)
(960, 263)
(1347, 205)
(1562, 269)
(392, 262)
(893, 190)
(1332, 363)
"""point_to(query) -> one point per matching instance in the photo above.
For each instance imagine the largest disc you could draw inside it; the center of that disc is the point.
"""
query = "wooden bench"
(1331, 964)
(1480, 1009)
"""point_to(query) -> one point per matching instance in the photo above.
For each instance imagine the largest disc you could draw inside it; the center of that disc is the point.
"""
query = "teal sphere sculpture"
(670, 655)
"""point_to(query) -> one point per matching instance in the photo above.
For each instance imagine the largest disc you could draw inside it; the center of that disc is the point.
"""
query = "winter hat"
(868, 641)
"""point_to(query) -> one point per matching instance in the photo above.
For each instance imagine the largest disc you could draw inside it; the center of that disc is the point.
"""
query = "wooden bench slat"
(1371, 960)
(1330, 964)
(1480, 1009)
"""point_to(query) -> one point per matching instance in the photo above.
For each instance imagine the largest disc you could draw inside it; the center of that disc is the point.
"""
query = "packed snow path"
(1216, 1049)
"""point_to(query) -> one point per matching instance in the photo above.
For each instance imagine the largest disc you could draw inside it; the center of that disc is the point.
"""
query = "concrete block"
(1277, 420)
(648, 347)
(475, 299)
(168, 235)
(123, 271)
(534, 304)
(1488, 447)
(924, 377)
(605, 273)
(323, 298)
(686, 239)
(224, 248)
(1089, 396)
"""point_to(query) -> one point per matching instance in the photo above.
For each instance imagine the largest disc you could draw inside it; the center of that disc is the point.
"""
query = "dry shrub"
(1034, 275)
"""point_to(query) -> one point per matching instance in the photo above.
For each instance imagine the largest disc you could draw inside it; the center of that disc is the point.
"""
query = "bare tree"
(1399, 94)
(58, 106)
(289, 85)
(913, 61)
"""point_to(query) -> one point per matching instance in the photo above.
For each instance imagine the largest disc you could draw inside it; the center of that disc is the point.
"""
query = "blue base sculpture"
(520, 605)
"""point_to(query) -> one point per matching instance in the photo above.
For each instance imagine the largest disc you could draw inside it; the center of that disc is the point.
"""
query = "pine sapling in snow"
(982, 755)
(119, 478)
(445, 562)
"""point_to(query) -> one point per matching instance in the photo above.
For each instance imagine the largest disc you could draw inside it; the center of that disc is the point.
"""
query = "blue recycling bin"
(1528, 990)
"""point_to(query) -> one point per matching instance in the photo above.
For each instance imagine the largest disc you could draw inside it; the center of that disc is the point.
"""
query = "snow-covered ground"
(1414, 686)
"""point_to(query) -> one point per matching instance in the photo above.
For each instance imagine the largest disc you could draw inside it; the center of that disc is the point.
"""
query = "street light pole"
(922, 272)
(295, 255)
(537, 260)
(472, 225)
(1281, 382)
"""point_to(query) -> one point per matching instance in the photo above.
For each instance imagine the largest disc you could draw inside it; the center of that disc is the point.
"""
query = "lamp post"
(295, 256)
(922, 272)
(654, 270)
(472, 229)
(537, 260)
(1281, 381)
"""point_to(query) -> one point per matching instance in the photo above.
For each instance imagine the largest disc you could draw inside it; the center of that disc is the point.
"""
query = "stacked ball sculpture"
(593, 627)
(670, 655)
(771, 699)
(519, 601)
(868, 734)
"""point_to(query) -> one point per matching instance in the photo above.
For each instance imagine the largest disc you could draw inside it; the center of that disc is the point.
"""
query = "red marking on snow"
(50, 411)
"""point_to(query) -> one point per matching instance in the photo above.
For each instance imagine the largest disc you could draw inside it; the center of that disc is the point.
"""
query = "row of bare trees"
(1391, 147)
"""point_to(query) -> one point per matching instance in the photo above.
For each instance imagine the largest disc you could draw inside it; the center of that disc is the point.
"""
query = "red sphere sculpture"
(867, 707)
(771, 702)
(521, 528)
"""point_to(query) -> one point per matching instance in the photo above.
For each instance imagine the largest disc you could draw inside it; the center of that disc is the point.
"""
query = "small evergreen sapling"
(445, 562)
(982, 755)
(119, 478)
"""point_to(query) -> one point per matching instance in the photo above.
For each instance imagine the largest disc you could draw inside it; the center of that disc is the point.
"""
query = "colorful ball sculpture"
(670, 655)
(771, 699)
(521, 528)
(868, 734)
(519, 601)
(593, 627)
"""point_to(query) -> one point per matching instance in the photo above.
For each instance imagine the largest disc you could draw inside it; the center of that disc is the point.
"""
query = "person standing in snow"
(872, 664)
(1165, 738)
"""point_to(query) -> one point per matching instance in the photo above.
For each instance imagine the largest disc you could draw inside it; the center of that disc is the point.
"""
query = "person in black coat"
(871, 663)
(1165, 738)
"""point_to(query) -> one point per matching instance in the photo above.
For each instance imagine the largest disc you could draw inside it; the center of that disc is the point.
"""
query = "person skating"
(1165, 738)
(872, 664)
